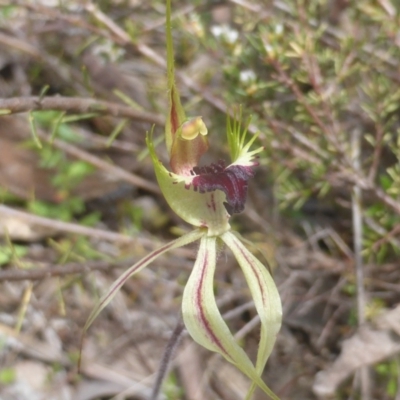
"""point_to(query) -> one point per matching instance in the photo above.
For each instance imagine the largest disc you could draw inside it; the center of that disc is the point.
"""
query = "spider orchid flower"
(206, 197)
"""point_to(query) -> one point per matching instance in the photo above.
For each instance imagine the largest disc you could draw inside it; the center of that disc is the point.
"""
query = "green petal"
(265, 295)
(198, 209)
(107, 297)
(203, 319)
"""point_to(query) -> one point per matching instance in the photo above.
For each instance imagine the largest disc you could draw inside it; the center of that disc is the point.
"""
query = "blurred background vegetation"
(320, 80)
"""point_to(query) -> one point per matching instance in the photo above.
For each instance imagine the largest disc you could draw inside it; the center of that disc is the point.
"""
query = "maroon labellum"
(232, 180)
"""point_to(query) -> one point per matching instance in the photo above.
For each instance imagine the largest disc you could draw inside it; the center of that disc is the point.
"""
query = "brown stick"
(76, 105)
(61, 270)
(102, 165)
(66, 226)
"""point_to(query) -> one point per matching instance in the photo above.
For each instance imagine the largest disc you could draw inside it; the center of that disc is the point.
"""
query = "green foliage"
(63, 211)
(77, 249)
(171, 387)
(7, 376)
(7, 10)
(70, 174)
(309, 89)
(58, 123)
(10, 252)
(389, 372)
(135, 216)
(7, 197)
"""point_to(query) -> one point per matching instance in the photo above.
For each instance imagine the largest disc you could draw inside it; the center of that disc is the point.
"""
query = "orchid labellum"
(206, 197)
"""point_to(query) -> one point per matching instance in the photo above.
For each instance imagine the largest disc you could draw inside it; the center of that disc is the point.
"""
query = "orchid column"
(206, 197)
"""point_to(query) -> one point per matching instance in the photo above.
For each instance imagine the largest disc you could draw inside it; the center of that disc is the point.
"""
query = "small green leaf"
(8, 252)
(7, 376)
(79, 169)
(34, 131)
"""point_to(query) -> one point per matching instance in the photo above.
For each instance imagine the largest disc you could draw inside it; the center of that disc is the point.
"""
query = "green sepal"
(137, 267)
(203, 319)
(265, 295)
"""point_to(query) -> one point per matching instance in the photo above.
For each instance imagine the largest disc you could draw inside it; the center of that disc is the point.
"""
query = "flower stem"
(166, 358)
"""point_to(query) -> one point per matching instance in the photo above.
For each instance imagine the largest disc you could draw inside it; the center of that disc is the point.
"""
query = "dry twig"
(61, 270)
(356, 200)
(76, 105)
(114, 170)
(67, 226)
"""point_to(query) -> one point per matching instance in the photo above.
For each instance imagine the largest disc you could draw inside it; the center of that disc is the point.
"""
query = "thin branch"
(66, 226)
(61, 270)
(368, 51)
(101, 164)
(101, 142)
(356, 200)
(16, 105)
(329, 130)
(357, 230)
(365, 184)
(376, 158)
(387, 237)
(63, 73)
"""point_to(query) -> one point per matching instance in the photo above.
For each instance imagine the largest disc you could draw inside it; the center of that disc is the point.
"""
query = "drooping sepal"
(203, 318)
(137, 267)
(265, 295)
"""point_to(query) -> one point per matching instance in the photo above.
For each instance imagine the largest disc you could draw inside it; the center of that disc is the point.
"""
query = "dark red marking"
(232, 180)
(256, 273)
(204, 321)
(174, 114)
(213, 206)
